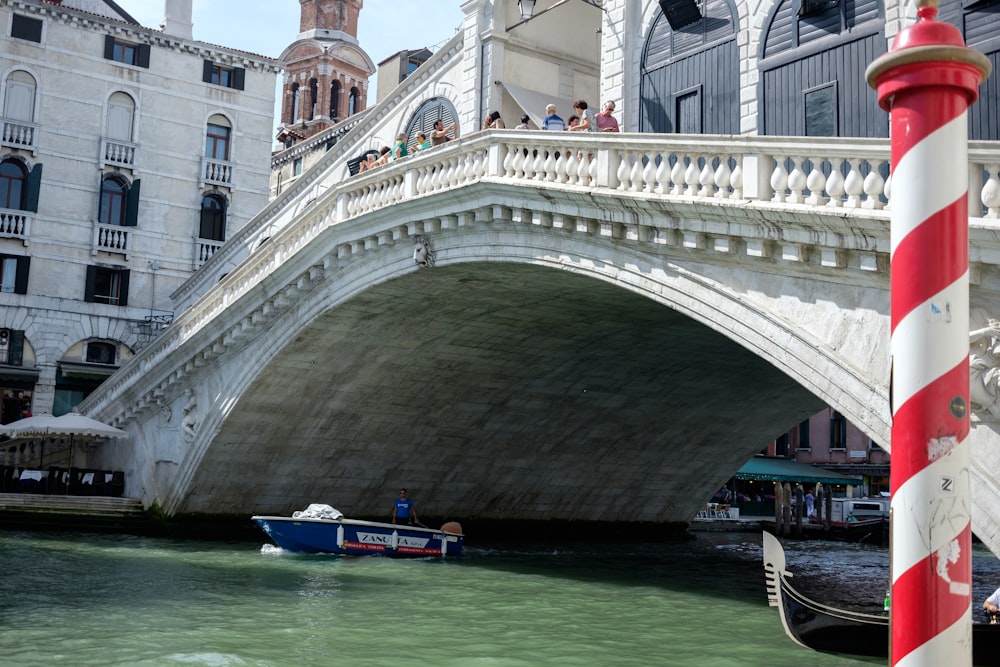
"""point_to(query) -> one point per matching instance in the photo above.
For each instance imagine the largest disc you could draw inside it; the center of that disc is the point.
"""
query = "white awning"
(533, 103)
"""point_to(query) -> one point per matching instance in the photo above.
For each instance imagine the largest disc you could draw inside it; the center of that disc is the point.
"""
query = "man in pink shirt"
(605, 121)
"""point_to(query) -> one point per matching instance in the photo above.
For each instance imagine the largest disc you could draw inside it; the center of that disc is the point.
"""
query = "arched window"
(352, 102)
(429, 111)
(334, 98)
(19, 97)
(217, 136)
(313, 97)
(213, 218)
(113, 201)
(294, 110)
(13, 184)
(121, 111)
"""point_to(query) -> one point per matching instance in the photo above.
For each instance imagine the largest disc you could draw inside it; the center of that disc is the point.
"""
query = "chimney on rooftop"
(177, 18)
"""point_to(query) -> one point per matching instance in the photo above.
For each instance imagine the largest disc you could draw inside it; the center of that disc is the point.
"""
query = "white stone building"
(129, 154)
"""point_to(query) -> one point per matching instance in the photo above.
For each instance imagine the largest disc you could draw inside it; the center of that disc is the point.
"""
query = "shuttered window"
(222, 75)
(437, 108)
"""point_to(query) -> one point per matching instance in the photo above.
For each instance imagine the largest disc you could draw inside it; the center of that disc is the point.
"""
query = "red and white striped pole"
(926, 82)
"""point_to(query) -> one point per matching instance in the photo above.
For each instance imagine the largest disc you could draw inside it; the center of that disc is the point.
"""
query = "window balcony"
(111, 238)
(15, 224)
(216, 172)
(118, 153)
(19, 134)
(204, 249)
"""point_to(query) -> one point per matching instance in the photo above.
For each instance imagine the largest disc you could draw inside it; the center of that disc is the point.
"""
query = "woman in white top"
(587, 121)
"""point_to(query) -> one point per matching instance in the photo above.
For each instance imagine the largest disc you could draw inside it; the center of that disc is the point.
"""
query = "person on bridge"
(404, 511)
(992, 606)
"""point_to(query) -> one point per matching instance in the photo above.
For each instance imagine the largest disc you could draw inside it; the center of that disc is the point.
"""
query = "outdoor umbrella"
(72, 424)
(30, 427)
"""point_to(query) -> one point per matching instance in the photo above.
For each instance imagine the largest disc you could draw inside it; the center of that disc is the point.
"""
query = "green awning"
(786, 470)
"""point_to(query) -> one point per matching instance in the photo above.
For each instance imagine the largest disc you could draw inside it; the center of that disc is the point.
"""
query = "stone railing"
(216, 172)
(111, 238)
(15, 224)
(775, 180)
(19, 134)
(118, 153)
(204, 249)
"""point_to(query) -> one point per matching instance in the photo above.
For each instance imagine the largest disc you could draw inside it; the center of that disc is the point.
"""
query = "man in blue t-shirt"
(404, 511)
(552, 121)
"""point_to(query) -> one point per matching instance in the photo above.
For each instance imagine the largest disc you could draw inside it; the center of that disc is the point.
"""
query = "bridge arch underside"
(493, 391)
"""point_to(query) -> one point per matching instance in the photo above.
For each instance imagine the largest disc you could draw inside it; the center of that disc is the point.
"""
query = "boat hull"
(830, 630)
(355, 537)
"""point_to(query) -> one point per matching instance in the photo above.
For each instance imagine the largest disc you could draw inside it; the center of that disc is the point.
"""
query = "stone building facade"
(129, 155)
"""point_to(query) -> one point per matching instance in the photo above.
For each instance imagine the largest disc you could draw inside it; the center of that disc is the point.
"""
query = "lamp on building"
(527, 9)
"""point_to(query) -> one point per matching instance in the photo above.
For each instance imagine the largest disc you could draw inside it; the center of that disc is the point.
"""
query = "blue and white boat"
(322, 529)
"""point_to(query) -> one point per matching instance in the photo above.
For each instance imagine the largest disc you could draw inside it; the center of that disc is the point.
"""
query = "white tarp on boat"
(318, 511)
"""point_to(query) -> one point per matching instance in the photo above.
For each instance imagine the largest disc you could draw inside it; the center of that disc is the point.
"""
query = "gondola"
(830, 630)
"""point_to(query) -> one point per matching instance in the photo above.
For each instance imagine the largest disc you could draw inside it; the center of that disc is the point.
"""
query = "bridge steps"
(73, 512)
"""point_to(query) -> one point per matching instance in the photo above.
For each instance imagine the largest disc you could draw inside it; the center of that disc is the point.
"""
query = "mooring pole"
(926, 82)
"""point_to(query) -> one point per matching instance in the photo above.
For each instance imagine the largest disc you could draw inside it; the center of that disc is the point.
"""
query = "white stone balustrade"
(118, 153)
(111, 238)
(216, 172)
(204, 249)
(15, 224)
(18, 134)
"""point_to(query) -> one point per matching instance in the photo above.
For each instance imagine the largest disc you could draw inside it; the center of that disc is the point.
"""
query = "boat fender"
(452, 527)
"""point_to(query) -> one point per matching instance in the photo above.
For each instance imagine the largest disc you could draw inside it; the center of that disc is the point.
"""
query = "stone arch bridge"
(530, 327)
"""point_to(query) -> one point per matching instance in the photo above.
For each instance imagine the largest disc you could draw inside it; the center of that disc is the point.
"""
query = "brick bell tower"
(326, 70)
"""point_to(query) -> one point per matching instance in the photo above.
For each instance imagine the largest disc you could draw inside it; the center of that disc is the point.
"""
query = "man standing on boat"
(404, 511)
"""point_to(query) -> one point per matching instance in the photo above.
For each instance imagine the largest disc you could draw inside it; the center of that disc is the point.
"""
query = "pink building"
(829, 441)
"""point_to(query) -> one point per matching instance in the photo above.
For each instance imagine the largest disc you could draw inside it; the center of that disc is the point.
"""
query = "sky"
(266, 27)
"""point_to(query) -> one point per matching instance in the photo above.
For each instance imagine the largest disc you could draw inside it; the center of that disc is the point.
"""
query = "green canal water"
(91, 599)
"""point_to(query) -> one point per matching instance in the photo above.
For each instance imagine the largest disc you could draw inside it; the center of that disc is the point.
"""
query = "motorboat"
(830, 630)
(323, 529)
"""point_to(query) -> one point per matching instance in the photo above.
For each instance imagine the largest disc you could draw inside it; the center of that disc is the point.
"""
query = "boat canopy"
(786, 470)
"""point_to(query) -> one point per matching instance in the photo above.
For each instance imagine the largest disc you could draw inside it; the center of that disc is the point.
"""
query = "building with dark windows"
(128, 156)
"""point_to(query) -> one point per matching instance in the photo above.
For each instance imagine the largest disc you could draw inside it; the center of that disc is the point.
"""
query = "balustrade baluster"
(873, 185)
(677, 175)
(816, 182)
(835, 184)
(796, 182)
(625, 171)
(649, 174)
(691, 176)
(537, 165)
(779, 179)
(519, 158)
(561, 163)
(737, 178)
(635, 174)
(990, 194)
(583, 171)
(853, 185)
(706, 178)
(572, 164)
(508, 161)
(662, 174)
(723, 178)
(549, 166)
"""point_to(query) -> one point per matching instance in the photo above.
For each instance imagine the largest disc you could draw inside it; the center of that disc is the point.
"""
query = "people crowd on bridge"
(583, 120)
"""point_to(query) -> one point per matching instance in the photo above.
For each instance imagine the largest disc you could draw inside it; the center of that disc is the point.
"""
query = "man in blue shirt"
(404, 511)
(552, 120)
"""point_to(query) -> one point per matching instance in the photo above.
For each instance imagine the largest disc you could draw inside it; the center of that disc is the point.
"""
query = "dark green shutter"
(109, 47)
(132, 204)
(15, 353)
(21, 275)
(142, 55)
(206, 71)
(239, 78)
(123, 287)
(34, 185)
(90, 285)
